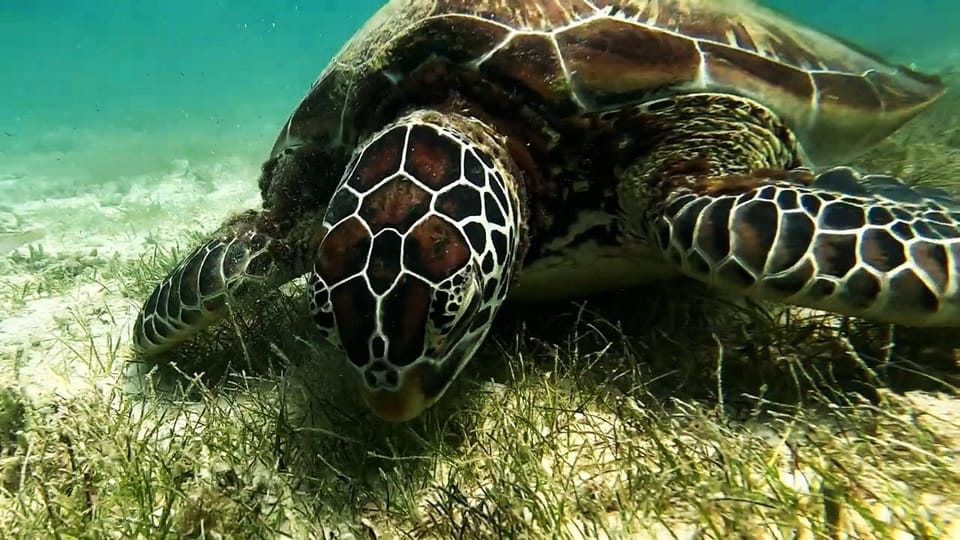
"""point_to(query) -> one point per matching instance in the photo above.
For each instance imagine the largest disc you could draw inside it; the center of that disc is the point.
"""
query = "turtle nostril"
(380, 376)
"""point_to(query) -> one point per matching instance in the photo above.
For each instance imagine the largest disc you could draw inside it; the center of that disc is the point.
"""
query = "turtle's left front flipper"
(236, 265)
(862, 245)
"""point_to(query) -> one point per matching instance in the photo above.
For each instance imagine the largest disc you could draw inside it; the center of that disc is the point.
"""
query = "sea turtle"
(457, 152)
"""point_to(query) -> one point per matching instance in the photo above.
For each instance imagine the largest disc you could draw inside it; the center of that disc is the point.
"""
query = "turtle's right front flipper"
(863, 245)
(235, 266)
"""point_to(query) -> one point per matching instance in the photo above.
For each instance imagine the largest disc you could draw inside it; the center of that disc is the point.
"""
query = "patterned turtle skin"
(456, 153)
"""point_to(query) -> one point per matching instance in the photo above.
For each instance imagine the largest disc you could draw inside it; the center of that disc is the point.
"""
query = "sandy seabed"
(55, 280)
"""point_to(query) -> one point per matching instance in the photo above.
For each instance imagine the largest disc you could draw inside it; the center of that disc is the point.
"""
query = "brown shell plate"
(582, 56)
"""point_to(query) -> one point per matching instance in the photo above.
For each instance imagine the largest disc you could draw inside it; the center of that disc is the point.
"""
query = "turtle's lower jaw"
(391, 407)
(399, 405)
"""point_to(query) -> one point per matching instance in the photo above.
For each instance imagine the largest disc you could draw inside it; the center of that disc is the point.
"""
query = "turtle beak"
(399, 404)
(420, 385)
(401, 393)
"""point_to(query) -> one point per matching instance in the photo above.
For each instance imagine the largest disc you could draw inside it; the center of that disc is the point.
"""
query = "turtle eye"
(453, 309)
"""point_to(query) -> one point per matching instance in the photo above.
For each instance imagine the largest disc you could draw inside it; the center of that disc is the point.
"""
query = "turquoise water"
(918, 30)
(96, 92)
(92, 92)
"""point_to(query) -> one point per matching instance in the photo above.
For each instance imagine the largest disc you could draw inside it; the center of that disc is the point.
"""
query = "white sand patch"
(56, 344)
(65, 344)
(187, 198)
(10, 241)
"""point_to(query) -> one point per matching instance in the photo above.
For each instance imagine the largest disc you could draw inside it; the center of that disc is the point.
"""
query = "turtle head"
(422, 238)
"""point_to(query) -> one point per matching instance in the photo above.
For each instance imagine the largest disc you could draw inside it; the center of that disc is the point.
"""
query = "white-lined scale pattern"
(474, 212)
(869, 246)
(835, 97)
